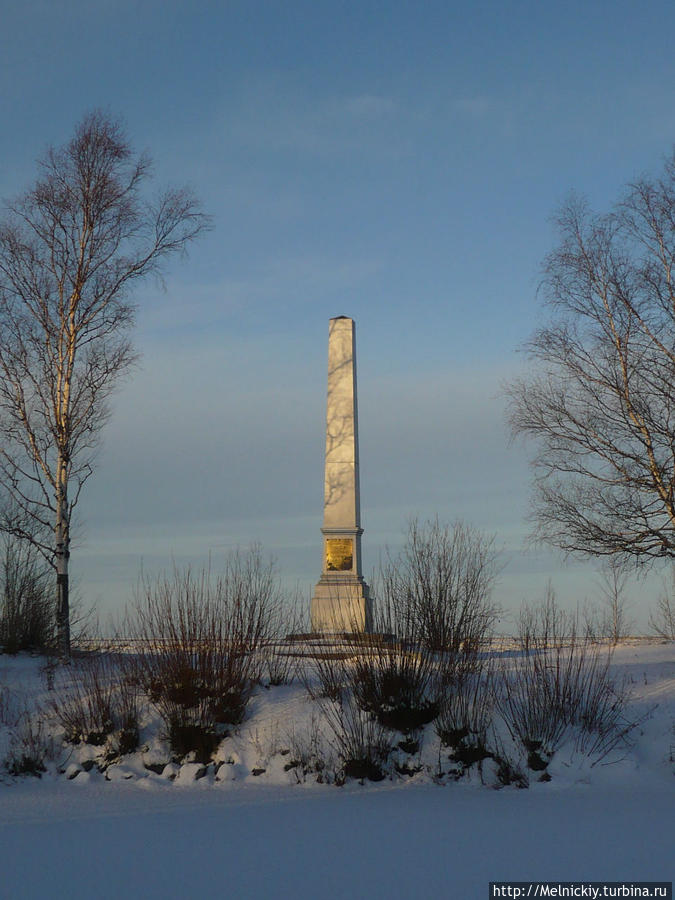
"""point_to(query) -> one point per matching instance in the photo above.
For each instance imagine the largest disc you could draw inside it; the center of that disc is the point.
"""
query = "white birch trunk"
(62, 554)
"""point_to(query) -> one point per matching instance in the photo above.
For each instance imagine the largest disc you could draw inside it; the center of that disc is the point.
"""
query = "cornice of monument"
(346, 530)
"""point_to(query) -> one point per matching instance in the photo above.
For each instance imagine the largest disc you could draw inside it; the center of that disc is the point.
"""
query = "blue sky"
(395, 162)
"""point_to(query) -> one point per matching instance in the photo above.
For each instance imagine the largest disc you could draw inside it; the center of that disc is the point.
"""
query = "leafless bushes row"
(201, 643)
(434, 611)
(556, 688)
(368, 695)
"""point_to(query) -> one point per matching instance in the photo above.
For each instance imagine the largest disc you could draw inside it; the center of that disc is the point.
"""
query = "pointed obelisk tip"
(341, 317)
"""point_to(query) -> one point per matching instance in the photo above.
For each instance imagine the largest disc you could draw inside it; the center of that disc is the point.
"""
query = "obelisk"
(341, 600)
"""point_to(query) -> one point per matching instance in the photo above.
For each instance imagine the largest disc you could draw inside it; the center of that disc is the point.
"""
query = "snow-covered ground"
(236, 834)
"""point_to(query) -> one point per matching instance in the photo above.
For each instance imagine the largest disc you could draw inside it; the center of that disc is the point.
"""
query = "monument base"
(341, 605)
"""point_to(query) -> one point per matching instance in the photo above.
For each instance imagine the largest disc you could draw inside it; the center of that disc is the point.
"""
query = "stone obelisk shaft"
(341, 599)
(341, 489)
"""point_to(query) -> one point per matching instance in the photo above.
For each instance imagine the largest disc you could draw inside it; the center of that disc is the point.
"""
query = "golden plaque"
(339, 554)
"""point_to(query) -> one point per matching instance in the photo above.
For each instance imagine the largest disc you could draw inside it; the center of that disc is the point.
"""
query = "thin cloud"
(291, 280)
(280, 116)
(370, 106)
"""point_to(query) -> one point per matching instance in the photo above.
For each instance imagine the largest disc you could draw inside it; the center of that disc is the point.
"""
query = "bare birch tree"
(600, 398)
(71, 249)
(662, 619)
(614, 623)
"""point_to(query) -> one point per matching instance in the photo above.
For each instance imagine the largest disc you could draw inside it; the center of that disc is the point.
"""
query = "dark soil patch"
(405, 769)
(195, 739)
(363, 768)
(468, 755)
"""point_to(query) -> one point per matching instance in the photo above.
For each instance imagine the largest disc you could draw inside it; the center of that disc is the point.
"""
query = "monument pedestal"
(341, 600)
(339, 606)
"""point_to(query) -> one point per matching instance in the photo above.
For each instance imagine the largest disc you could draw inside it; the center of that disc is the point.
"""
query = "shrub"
(361, 742)
(382, 683)
(26, 601)
(326, 675)
(200, 642)
(30, 747)
(309, 754)
(467, 712)
(613, 622)
(545, 625)
(13, 712)
(96, 702)
(441, 584)
(509, 771)
(396, 675)
(393, 678)
(279, 666)
(662, 619)
(7, 716)
(552, 691)
(397, 683)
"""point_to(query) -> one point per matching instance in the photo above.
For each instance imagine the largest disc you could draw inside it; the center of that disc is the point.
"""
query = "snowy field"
(75, 833)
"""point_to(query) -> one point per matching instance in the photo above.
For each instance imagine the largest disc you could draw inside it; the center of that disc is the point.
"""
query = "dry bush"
(441, 583)
(560, 686)
(326, 675)
(362, 744)
(309, 753)
(397, 683)
(394, 679)
(96, 702)
(279, 666)
(27, 620)
(545, 625)
(662, 619)
(199, 643)
(510, 769)
(433, 606)
(614, 621)
(30, 747)
(552, 692)
(467, 711)
(252, 599)
(608, 619)
(9, 707)
(5, 705)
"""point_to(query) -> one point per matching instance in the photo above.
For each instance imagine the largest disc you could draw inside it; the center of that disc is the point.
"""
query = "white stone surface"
(341, 607)
(341, 489)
